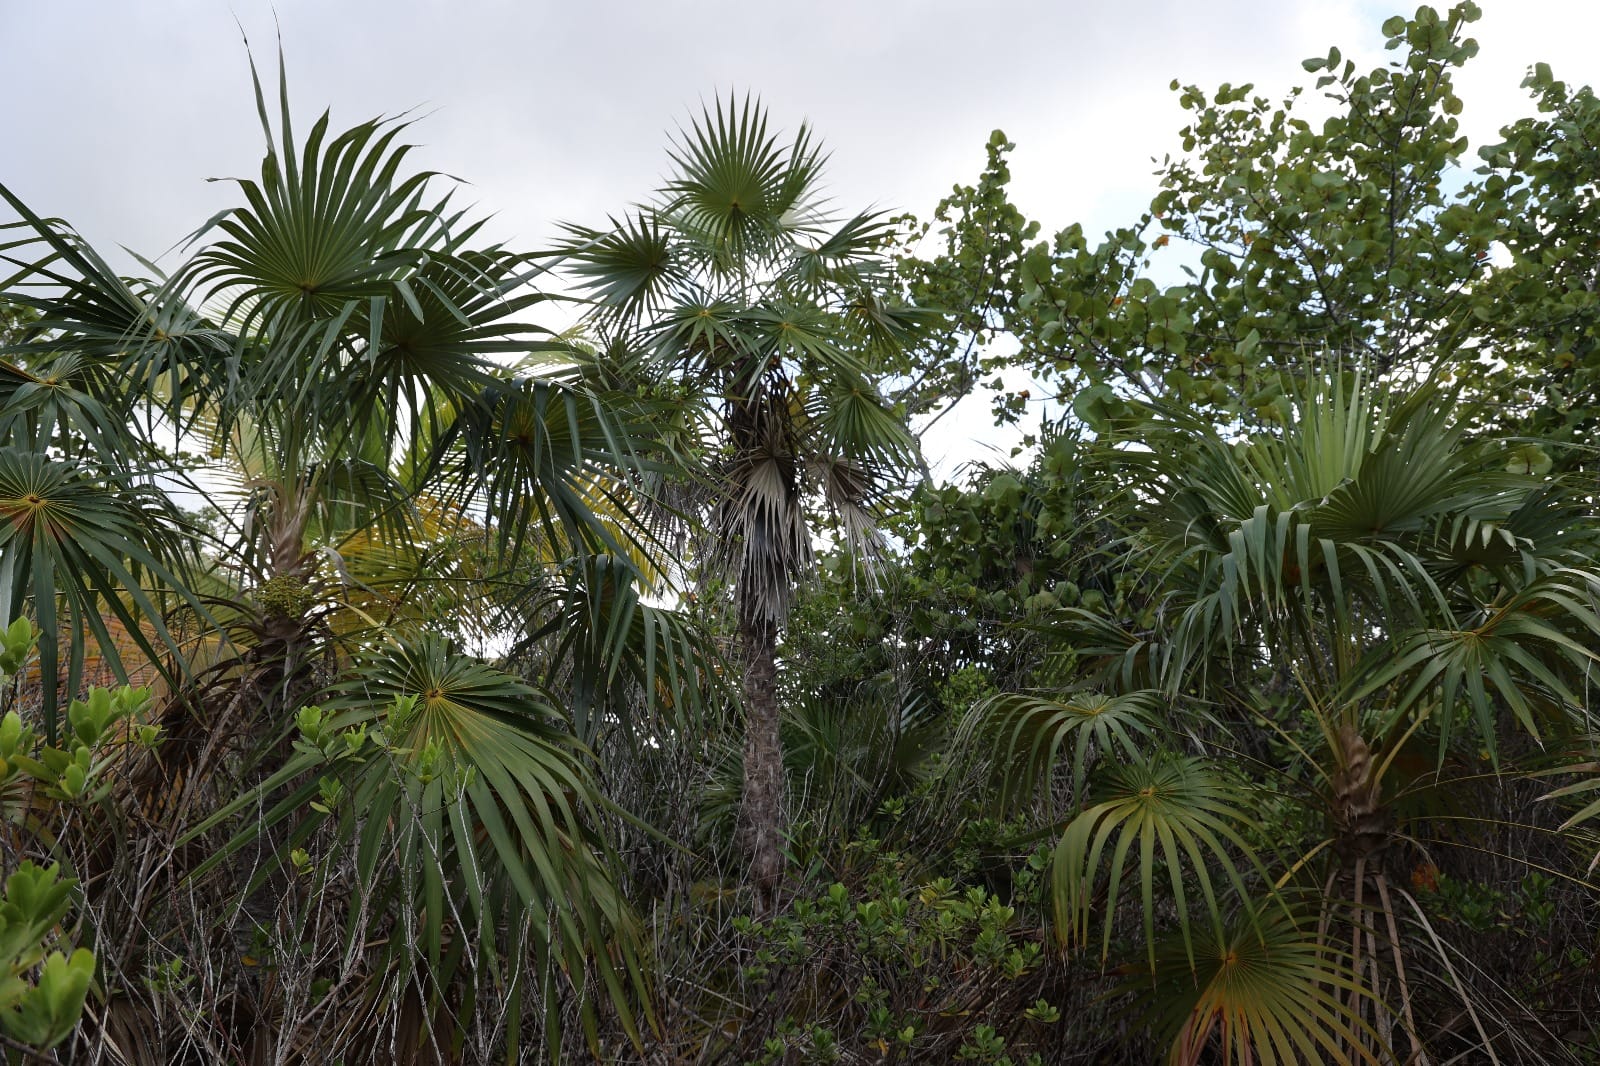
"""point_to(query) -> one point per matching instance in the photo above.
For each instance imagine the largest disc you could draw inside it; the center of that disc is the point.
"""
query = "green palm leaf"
(134, 340)
(1265, 991)
(737, 187)
(434, 349)
(465, 799)
(1525, 653)
(1181, 814)
(74, 551)
(544, 463)
(1024, 735)
(342, 270)
(643, 669)
(629, 270)
(53, 406)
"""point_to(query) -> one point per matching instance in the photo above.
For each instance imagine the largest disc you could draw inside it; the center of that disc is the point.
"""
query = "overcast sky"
(116, 112)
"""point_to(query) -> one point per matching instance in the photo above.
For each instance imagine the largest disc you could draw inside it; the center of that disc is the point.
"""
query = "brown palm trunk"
(761, 813)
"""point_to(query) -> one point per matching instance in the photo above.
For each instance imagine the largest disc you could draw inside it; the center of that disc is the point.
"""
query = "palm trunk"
(284, 643)
(761, 813)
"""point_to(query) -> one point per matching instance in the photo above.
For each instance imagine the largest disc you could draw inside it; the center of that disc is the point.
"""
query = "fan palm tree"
(334, 338)
(1367, 596)
(736, 294)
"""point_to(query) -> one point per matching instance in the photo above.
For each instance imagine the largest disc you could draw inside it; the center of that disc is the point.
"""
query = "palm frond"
(469, 807)
(1264, 991)
(74, 551)
(333, 238)
(434, 349)
(126, 333)
(1525, 653)
(539, 457)
(737, 188)
(638, 668)
(1177, 806)
(1024, 736)
(628, 271)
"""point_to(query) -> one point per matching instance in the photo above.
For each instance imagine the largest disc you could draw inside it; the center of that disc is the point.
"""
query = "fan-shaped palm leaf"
(1177, 806)
(540, 455)
(629, 270)
(73, 550)
(737, 187)
(327, 228)
(433, 348)
(471, 811)
(1526, 653)
(1024, 735)
(138, 341)
(1264, 991)
(51, 406)
(640, 667)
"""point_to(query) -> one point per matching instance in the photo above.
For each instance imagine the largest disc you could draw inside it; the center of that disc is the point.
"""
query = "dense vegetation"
(389, 679)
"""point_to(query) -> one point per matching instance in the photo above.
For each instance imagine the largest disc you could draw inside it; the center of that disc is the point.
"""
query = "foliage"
(42, 992)
(735, 294)
(464, 806)
(1335, 575)
(1247, 720)
(885, 969)
(42, 1011)
(1387, 601)
(329, 347)
(1542, 303)
(972, 278)
(1016, 545)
